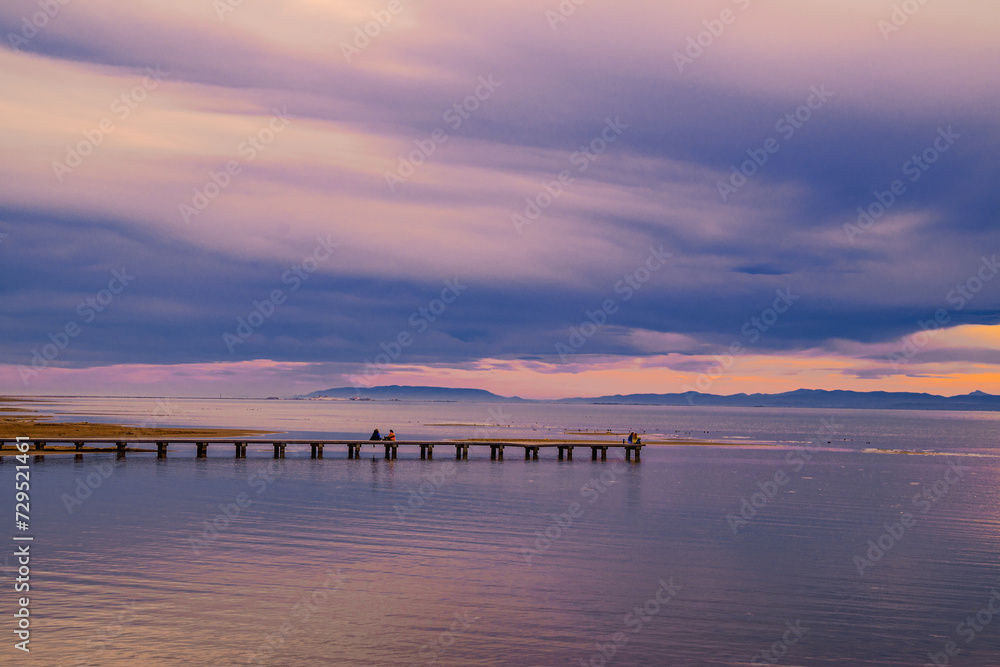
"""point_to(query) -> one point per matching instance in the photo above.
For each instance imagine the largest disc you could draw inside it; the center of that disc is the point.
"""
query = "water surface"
(374, 562)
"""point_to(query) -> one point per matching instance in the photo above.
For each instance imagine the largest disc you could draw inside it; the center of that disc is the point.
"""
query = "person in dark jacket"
(375, 435)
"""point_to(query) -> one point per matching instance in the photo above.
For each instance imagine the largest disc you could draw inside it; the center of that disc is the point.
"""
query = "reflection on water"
(190, 561)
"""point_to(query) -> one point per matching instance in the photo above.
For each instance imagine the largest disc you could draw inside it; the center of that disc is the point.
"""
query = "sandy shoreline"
(12, 427)
(37, 427)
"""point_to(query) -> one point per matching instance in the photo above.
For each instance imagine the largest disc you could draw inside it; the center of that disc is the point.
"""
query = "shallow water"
(448, 562)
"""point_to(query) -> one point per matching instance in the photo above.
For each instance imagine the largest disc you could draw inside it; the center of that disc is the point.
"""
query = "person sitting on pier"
(391, 436)
(633, 438)
(375, 435)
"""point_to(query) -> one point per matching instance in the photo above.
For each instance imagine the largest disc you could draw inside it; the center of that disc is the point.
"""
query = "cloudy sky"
(531, 197)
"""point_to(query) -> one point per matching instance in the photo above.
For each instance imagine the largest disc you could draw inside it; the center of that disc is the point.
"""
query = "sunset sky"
(537, 198)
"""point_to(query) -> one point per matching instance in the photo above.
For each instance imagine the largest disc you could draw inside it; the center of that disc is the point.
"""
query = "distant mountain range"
(800, 398)
(412, 394)
(811, 398)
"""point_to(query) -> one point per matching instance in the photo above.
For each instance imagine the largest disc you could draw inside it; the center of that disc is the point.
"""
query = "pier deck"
(120, 447)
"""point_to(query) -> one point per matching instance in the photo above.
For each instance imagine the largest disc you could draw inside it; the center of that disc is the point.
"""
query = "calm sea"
(820, 549)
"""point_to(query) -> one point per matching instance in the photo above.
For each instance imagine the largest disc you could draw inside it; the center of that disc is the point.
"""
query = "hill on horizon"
(403, 392)
(800, 398)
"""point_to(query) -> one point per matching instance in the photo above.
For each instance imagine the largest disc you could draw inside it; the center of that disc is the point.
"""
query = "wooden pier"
(120, 447)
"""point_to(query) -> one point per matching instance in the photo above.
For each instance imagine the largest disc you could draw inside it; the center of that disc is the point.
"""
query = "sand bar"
(13, 427)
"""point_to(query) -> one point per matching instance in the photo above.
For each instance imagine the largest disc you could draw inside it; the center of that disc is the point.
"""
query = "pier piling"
(532, 452)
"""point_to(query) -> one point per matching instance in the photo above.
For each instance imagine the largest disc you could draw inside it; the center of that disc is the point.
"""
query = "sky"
(533, 197)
